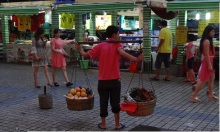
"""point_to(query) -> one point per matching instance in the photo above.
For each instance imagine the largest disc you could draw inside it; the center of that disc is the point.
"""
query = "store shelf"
(154, 36)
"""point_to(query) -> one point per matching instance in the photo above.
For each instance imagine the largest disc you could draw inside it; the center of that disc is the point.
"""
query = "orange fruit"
(83, 94)
(73, 91)
(78, 94)
(77, 89)
(83, 90)
(69, 95)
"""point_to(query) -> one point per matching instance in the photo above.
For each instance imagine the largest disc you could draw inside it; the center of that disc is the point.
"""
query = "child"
(190, 51)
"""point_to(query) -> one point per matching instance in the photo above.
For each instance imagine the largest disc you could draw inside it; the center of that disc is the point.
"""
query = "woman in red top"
(207, 73)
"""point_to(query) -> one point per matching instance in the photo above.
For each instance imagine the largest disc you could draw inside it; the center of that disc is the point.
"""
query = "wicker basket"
(80, 104)
(144, 108)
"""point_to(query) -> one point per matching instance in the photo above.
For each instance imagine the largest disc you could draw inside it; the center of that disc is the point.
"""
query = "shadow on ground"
(148, 128)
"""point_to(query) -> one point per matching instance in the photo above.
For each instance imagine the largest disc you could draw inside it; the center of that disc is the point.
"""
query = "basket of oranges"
(80, 98)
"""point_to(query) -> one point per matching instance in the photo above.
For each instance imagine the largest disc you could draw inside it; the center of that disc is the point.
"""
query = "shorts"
(162, 57)
(190, 63)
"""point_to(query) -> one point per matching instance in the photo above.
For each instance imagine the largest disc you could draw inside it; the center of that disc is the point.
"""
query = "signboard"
(214, 17)
(201, 26)
(64, 1)
(102, 21)
(99, 1)
(181, 34)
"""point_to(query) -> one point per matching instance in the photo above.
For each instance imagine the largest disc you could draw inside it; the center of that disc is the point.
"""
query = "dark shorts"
(190, 63)
(162, 57)
(109, 90)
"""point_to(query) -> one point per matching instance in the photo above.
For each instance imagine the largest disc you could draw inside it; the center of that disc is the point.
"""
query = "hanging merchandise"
(27, 22)
(21, 21)
(48, 17)
(67, 20)
(15, 20)
(41, 18)
(83, 19)
(34, 23)
(63, 20)
(70, 21)
(88, 16)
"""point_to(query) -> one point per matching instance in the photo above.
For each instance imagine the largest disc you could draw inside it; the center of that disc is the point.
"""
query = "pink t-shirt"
(109, 57)
(191, 48)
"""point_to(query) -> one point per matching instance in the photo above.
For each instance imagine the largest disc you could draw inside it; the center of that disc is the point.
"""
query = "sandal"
(213, 98)
(195, 100)
(69, 84)
(120, 128)
(56, 84)
(207, 93)
(154, 79)
(37, 86)
(165, 79)
(193, 83)
(49, 85)
(99, 126)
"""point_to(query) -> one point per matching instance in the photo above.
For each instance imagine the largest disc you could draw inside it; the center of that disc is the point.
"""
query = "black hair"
(55, 31)
(205, 35)
(191, 37)
(38, 33)
(163, 23)
(111, 30)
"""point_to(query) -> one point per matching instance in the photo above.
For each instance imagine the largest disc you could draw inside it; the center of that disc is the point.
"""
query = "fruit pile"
(142, 94)
(80, 93)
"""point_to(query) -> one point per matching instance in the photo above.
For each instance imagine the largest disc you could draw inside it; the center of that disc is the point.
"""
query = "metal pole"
(130, 41)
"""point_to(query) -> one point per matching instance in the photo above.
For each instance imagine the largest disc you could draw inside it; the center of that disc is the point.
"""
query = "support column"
(92, 29)
(182, 22)
(78, 29)
(5, 30)
(173, 26)
(114, 18)
(147, 38)
(5, 36)
(55, 21)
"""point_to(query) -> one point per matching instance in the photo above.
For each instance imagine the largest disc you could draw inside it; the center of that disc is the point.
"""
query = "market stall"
(199, 15)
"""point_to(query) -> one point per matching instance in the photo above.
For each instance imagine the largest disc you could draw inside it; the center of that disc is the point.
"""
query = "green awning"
(22, 10)
(193, 5)
(95, 7)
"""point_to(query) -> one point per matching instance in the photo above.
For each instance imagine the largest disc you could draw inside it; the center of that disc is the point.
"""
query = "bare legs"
(199, 86)
(103, 122)
(64, 74)
(47, 74)
(191, 75)
(157, 76)
(168, 73)
(157, 73)
(117, 124)
(36, 69)
(54, 74)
